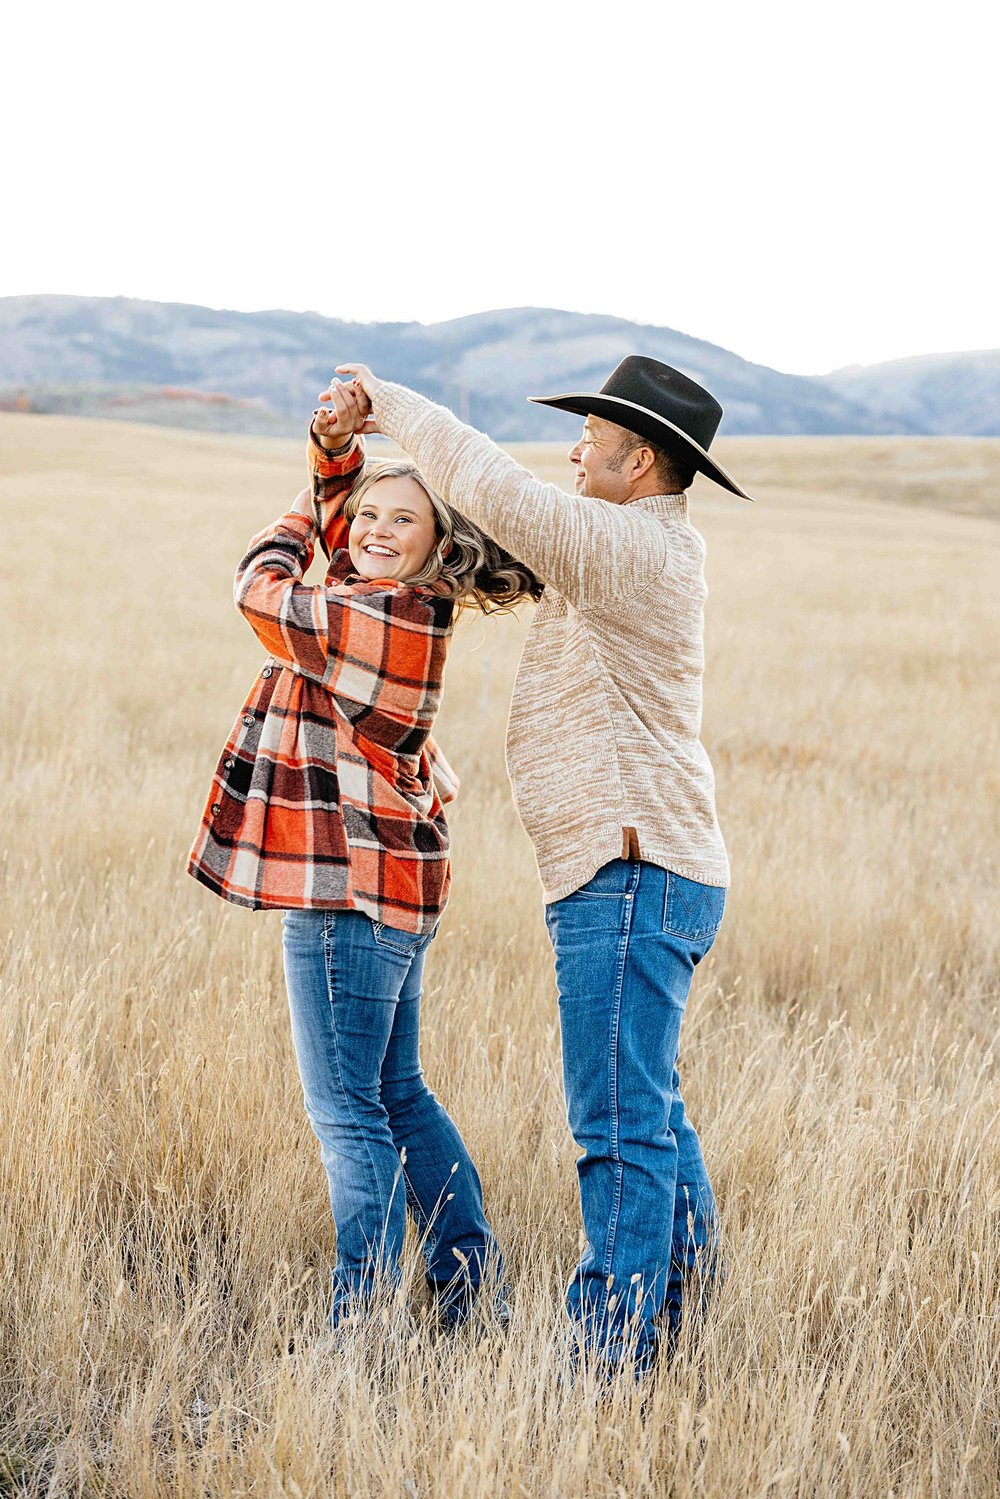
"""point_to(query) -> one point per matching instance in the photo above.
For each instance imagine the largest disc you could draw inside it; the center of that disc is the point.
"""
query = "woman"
(324, 805)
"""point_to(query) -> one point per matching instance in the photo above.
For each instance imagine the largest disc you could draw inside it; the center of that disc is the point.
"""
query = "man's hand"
(362, 376)
(335, 428)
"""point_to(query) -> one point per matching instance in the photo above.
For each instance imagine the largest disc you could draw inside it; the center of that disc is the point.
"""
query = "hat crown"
(660, 404)
(668, 394)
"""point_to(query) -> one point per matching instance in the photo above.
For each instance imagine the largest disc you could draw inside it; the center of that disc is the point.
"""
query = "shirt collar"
(675, 505)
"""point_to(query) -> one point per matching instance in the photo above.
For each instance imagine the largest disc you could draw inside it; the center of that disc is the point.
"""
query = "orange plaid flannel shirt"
(325, 794)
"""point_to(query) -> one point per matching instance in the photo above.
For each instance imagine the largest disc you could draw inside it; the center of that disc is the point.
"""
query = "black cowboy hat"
(660, 404)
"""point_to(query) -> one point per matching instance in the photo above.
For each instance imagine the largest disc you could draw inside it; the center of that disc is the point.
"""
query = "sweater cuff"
(391, 408)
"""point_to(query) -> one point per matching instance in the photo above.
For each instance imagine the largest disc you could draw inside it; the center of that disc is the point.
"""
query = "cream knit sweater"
(602, 743)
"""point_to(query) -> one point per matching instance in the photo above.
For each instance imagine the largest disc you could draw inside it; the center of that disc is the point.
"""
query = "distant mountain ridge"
(157, 361)
(945, 394)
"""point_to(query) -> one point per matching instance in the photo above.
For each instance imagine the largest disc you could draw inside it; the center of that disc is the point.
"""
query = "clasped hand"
(350, 403)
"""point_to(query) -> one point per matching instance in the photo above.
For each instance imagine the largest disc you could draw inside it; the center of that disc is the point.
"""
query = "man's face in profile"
(601, 460)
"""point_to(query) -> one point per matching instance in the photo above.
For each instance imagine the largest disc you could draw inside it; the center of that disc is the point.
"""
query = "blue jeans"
(626, 945)
(354, 991)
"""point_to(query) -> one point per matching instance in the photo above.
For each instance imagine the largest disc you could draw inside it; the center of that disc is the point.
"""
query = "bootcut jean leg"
(626, 945)
(443, 1189)
(354, 990)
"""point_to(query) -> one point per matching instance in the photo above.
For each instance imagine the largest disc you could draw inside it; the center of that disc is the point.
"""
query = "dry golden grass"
(164, 1216)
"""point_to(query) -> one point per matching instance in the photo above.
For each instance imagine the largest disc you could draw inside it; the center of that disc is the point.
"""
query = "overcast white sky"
(808, 185)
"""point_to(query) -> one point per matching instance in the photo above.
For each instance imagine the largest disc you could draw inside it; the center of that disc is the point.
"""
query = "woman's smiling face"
(393, 533)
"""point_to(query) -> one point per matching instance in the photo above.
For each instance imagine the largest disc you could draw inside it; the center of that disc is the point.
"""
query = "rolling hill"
(184, 365)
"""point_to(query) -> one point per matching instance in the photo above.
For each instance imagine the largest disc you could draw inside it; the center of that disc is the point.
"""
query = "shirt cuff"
(303, 526)
(325, 455)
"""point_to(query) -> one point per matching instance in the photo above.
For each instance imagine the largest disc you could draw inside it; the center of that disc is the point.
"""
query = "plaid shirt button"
(248, 719)
(267, 671)
(230, 764)
(216, 808)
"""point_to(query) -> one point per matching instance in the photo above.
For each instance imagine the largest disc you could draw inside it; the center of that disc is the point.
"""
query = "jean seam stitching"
(328, 964)
(613, 1104)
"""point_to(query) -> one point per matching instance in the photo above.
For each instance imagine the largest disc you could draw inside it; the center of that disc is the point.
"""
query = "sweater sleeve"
(589, 550)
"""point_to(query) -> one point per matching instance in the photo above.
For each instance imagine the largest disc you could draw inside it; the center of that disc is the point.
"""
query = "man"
(617, 794)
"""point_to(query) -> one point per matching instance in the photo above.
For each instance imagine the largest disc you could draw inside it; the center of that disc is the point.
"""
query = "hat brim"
(645, 423)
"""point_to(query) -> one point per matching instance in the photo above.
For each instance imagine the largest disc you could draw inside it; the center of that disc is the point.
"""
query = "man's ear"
(643, 460)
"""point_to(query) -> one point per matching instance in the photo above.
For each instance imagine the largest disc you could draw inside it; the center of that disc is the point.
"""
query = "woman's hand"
(351, 406)
(303, 504)
(362, 376)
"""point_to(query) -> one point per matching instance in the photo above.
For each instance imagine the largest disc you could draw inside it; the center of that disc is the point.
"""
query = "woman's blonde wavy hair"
(467, 563)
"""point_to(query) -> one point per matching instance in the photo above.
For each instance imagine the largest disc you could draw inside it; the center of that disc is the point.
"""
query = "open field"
(164, 1225)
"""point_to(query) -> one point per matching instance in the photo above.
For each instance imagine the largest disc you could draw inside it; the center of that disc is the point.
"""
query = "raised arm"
(339, 635)
(591, 551)
(336, 456)
(332, 476)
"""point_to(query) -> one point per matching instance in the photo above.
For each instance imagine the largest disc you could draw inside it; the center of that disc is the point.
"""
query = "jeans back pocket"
(691, 910)
(403, 943)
